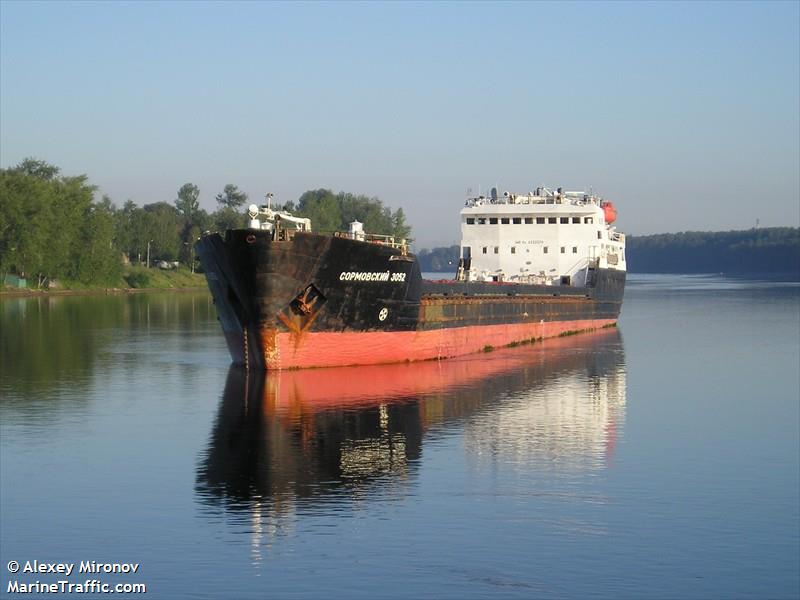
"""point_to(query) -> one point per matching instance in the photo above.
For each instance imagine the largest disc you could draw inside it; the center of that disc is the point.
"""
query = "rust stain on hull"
(270, 347)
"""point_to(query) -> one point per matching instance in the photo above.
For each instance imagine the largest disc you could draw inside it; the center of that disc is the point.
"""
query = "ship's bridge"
(550, 237)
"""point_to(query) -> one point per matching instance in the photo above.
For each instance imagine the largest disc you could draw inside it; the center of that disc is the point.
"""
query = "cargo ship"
(531, 266)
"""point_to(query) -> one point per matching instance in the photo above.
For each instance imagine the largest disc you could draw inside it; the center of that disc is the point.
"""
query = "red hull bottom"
(284, 350)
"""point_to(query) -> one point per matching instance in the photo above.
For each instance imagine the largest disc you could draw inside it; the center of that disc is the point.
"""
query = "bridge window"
(517, 221)
(470, 220)
(576, 220)
(504, 220)
(552, 220)
(492, 220)
(565, 220)
(540, 220)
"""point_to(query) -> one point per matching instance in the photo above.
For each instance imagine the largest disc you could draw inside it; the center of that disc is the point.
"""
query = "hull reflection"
(300, 438)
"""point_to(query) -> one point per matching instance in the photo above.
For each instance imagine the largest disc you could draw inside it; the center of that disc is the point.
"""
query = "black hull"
(266, 290)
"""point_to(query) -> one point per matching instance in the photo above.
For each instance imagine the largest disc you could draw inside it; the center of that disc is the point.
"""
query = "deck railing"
(375, 238)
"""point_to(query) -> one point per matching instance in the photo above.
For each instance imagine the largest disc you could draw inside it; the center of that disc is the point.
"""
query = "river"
(660, 459)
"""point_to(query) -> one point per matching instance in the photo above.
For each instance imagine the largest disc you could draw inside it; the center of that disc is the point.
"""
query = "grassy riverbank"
(139, 277)
(131, 279)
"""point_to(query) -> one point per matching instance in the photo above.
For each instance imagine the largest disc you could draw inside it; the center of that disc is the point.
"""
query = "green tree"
(400, 229)
(192, 221)
(124, 229)
(186, 202)
(227, 218)
(322, 207)
(98, 260)
(162, 226)
(38, 169)
(187, 254)
(50, 226)
(71, 206)
(24, 221)
(334, 212)
(231, 197)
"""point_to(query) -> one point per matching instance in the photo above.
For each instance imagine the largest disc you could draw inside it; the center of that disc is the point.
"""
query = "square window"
(565, 220)
(517, 221)
(552, 220)
(504, 220)
(481, 221)
(588, 219)
(576, 220)
(540, 220)
(492, 220)
(528, 220)
(470, 220)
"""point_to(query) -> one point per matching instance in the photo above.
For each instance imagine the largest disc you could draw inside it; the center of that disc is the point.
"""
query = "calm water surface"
(660, 460)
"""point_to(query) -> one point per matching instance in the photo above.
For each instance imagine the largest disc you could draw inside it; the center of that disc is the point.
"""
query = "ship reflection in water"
(294, 441)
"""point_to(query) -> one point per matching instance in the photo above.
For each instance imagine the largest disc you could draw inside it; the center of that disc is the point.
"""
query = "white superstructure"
(545, 237)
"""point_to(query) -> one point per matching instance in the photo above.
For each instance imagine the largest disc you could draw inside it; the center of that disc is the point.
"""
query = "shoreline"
(28, 293)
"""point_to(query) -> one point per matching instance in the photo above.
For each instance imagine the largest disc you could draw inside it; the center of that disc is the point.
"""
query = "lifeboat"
(609, 211)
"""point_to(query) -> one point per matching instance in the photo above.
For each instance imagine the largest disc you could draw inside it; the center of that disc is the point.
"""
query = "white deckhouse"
(543, 237)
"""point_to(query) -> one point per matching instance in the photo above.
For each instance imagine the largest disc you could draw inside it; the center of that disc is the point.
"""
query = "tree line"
(768, 250)
(439, 260)
(331, 212)
(53, 227)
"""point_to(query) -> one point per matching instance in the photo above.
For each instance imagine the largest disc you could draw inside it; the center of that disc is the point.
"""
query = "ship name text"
(372, 276)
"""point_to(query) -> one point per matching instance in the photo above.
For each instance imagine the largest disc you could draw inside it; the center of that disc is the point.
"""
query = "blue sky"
(687, 115)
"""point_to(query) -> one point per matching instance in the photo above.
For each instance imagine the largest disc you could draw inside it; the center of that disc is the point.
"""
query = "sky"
(686, 115)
